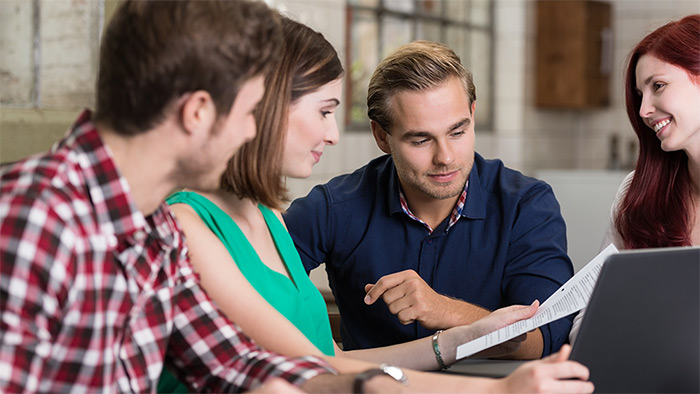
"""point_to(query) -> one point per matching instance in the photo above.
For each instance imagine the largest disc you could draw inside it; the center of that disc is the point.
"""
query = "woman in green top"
(293, 295)
(247, 261)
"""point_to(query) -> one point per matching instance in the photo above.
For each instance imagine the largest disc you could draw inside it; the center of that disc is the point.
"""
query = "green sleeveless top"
(296, 297)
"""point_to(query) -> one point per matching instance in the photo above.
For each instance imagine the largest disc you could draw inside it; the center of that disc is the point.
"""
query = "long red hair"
(655, 210)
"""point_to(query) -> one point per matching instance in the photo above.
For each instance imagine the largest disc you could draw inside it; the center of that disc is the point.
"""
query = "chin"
(306, 171)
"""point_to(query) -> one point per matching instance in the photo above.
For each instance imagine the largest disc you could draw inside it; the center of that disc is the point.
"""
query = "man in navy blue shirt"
(431, 235)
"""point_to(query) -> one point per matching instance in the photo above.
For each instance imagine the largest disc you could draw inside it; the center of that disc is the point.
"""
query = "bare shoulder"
(189, 219)
(183, 211)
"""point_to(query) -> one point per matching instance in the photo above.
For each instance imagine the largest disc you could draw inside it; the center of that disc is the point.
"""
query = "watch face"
(394, 372)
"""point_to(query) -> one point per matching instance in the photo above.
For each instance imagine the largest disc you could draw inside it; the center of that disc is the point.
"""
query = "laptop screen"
(641, 330)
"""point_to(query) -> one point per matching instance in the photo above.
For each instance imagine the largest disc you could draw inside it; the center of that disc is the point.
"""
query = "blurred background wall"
(48, 62)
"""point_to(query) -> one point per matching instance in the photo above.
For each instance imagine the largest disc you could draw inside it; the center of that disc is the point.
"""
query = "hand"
(411, 299)
(553, 374)
(494, 321)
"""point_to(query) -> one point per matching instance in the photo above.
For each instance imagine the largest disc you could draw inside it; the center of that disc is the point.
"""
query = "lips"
(445, 176)
(316, 155)
(658, 126)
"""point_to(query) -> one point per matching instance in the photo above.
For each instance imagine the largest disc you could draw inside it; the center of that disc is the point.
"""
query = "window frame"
(416, 17)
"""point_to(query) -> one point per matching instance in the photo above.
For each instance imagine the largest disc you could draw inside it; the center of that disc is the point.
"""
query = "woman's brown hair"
(308, 61)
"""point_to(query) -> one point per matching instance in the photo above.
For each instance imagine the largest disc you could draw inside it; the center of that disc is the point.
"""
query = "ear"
(380, 137)
(473, 109)
(198, 112)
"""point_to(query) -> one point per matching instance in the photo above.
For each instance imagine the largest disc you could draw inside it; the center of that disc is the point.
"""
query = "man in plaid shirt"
(96, 291)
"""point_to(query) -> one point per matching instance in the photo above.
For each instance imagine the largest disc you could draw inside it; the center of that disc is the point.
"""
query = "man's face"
(432, 141)
(206, 164)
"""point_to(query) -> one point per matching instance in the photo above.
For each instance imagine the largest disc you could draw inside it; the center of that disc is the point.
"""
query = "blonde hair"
(417, 66)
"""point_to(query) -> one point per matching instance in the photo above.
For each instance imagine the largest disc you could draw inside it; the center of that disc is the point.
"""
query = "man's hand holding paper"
(570, 298)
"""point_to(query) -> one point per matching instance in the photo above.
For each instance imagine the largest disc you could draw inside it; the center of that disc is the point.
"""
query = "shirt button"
(139, 236)
(430, 242)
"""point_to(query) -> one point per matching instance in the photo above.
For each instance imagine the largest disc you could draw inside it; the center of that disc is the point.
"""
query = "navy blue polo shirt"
(509, 247)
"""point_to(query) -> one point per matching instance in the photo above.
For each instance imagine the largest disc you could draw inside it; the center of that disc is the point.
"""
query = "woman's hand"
(450, 339)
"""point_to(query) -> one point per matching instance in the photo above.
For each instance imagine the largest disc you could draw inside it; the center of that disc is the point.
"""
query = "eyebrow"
(333, 101)
(652, 76)
(646, 82)
(422, 134)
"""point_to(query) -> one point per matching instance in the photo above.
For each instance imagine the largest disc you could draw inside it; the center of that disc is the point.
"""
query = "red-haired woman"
(658, 205)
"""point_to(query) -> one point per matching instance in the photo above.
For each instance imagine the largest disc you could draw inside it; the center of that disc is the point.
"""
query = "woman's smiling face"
(670, 104)
(312, 125)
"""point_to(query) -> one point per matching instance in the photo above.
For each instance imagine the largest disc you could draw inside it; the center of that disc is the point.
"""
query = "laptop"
(641, 330)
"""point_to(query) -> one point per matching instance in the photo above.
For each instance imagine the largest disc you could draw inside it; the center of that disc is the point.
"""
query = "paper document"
(571, 297)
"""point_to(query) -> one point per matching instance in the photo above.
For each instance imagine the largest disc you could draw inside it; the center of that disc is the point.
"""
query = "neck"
(430, 210)
(144, 162)
(232, 204)
(243, 211)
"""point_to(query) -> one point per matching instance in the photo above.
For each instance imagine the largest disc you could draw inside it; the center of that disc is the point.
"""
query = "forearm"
(433, 382)
(328, 383)
(418, 354)
(530, 349)
(460, 313)
(417, 382)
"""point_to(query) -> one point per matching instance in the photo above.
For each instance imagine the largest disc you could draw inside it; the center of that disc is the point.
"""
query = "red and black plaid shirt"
(95, 297)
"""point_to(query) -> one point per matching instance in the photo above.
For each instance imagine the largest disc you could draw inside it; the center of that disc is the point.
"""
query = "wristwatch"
(392, 371)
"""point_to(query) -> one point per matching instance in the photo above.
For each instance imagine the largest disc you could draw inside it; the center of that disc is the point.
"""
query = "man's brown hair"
(153, 52)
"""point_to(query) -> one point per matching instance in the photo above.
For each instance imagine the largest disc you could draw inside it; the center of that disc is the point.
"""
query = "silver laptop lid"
(641, 330)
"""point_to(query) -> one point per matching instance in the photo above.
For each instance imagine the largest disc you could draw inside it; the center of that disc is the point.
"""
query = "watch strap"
(358, 385)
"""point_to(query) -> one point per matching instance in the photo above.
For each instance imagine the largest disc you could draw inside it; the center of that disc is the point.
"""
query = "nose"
(332, 134)
(444, 154)
(646, 108)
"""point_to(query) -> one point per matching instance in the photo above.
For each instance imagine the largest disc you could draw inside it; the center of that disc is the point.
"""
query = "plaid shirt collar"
(454, 216)
(115, 209)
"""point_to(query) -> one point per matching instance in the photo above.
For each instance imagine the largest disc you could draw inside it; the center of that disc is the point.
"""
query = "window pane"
(366, 3)
(464, 25)
(399, 5)
(364, 49)
(457, 10)
(480, 12)
(428, 31)
(457, 39)
(396, 32)
(430, 7)
(479, 65)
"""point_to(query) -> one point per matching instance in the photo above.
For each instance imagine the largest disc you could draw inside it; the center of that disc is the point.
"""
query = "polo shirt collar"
(393, 189)
(474, 206)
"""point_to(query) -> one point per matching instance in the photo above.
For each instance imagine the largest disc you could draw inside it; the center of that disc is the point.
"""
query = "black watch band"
(391, 371)
(358, 385)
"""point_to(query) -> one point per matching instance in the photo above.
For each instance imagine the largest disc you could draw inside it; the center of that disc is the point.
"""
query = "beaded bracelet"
(436, 348)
